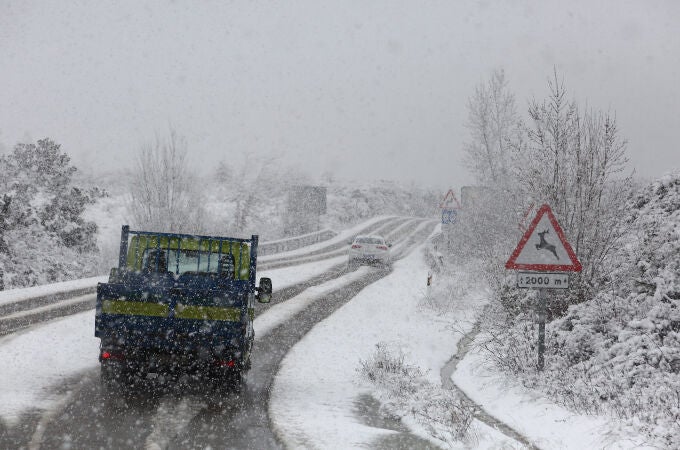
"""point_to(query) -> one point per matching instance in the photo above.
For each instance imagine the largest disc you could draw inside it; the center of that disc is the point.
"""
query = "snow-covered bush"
(404, 391)
(43, 235)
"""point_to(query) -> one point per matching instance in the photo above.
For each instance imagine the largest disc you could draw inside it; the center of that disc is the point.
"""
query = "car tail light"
(356, 246)
(382, 247)
(226, 363)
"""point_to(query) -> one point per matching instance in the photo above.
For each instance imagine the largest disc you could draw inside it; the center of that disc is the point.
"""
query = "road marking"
(479, 412)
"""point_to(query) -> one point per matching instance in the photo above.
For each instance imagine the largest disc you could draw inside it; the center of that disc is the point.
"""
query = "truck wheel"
(110, 379)
(233, 382)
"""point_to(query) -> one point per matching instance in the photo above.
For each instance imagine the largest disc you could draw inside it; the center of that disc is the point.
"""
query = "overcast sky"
(365, 89)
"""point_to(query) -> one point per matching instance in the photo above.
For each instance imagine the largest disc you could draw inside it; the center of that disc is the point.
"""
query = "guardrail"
(284, 245)
(17, 300)
(20, 308)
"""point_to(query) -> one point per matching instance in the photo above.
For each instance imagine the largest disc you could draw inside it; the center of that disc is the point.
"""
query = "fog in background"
(366, 90)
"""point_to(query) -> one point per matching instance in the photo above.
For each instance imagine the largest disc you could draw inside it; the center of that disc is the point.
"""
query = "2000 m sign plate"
(545, 280)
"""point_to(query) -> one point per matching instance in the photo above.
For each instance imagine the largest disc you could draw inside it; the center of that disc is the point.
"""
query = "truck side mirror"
(264, 291)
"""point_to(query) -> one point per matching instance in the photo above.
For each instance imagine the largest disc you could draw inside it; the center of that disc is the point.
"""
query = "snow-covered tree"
(41, 216)
(163, 191)
(564, 156)
(492, 122)
(486, 225)
(572, 161)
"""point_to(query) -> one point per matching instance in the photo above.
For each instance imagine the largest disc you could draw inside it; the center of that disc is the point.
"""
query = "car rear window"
(369, 241)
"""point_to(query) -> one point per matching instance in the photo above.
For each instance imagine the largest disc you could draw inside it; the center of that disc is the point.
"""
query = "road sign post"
(449, 208)
(545, 264)
(542, 310)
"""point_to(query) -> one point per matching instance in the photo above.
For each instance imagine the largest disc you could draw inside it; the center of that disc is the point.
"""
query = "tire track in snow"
(479, 412)
(171, 418)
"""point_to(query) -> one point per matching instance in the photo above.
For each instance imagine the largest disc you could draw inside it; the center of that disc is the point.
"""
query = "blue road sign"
(448, 216)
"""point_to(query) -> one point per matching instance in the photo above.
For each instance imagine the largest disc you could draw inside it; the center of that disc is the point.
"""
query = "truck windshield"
(180, 262)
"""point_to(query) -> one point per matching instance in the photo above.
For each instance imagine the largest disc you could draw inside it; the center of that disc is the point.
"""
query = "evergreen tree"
(41, 216)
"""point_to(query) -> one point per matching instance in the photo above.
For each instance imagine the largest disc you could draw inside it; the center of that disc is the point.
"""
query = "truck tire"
(232, 382)
(110, 379)
(237, 381)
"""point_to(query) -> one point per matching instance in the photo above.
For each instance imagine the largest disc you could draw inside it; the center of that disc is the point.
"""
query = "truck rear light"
(356, 246)
(112, 356)
(382, 247)
(226, 363)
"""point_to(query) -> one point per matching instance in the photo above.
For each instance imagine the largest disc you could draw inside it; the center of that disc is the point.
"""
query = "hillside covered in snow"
(617, 353)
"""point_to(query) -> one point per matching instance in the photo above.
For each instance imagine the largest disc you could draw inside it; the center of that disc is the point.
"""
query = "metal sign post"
(449, 209)
(542, 310)
(545, 258)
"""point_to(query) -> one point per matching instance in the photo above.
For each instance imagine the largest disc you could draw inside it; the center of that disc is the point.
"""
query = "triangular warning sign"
(450, 201)
(543, 247)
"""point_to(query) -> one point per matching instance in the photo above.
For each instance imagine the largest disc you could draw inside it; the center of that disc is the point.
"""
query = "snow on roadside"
(546, 424)
(33, 363)
(316, 393)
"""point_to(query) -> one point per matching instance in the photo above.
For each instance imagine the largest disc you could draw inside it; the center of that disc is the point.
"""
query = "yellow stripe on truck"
(135, 308)
(207, 313)
(181, 311)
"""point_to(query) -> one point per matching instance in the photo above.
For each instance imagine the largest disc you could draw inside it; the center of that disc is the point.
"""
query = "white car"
(371, 249)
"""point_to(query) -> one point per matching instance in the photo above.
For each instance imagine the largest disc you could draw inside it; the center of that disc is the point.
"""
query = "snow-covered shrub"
(387, 367)
(403, 391)
(509, 340)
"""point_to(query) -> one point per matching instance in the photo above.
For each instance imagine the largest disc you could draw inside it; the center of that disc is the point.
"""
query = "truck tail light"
(382, 247)
(106, 355)
(226, 363)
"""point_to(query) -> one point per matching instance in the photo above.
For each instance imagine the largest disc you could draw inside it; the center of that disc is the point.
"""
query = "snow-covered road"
(317, 397)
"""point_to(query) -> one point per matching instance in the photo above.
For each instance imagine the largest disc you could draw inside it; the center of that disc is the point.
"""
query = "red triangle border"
(453, 194)
(575, 265)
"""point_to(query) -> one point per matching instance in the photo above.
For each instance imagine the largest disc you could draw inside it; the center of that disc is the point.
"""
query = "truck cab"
(179, 304)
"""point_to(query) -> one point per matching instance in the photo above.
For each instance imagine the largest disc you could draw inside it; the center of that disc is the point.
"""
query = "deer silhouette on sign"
(544, 245)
